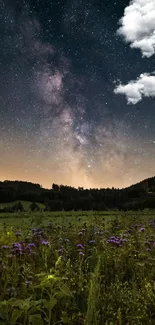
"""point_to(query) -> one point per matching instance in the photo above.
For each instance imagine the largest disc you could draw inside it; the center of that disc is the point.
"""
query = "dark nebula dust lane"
(77, 92)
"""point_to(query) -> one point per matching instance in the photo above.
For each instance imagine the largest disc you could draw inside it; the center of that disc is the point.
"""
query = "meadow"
(81, 268)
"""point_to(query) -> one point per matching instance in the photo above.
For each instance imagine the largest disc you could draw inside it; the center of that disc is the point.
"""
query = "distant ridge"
(148, 183)
(145, 183)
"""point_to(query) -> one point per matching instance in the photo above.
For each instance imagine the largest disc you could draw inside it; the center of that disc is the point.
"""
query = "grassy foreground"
(77, 268)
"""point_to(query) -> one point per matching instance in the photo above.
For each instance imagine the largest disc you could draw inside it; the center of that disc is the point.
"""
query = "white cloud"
(138, 26)
(144, 86)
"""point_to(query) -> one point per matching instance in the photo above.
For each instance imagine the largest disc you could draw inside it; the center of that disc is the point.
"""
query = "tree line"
(61, 197)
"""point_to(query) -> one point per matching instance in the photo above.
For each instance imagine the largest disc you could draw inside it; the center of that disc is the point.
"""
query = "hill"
(60, 197)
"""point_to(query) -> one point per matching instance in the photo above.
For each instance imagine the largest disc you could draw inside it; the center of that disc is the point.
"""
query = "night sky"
(77, 92)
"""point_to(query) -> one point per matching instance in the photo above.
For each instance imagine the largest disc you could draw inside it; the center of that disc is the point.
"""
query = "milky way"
(61, 118)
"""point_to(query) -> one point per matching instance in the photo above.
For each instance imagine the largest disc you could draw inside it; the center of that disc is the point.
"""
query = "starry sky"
(77, 88)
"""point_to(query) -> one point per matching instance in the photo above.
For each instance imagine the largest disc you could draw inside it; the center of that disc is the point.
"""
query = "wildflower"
(116, 240)
(16, 245)
(80, 233)
(17, 249)
(92, 241)
(81, 253)
(31, 245)
(80, 246)
(148, 249)
(45, 242)
(141, 229)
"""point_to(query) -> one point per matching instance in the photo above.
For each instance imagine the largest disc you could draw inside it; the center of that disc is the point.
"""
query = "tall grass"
(78, 270)
(93, 296)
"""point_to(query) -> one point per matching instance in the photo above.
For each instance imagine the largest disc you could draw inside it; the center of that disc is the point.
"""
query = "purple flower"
(17, 248)
(45, 242)
(112, 238)
(115, 240)
(31, 245)
(92, 241)
(80, 246)
(81, 253)
(141, 229)
(17, 245)
(148, 249)
(80, 233)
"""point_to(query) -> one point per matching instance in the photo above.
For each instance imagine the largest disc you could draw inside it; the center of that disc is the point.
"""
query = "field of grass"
(77, 268)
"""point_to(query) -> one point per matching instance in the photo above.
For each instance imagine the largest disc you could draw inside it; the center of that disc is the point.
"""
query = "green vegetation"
(87, 268)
